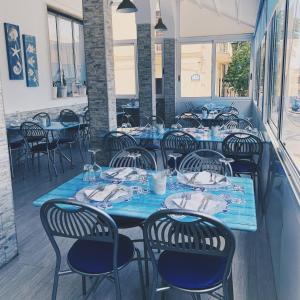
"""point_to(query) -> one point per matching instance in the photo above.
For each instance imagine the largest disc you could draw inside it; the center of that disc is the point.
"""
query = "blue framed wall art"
(14, 51)
(30, 56)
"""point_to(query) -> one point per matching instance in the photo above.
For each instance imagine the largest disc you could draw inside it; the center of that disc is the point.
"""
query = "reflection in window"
(196, 70)
(276, 62)
(232, 69)
(261, 81)
(125, 71)
(53, 48)
(158, 69)
(291, 102)
(79, 52)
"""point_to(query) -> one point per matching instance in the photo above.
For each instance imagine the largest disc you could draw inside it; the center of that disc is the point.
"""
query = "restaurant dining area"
(150, 149)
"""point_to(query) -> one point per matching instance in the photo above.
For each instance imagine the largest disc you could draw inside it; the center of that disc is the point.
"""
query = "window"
(232, 69)
(159, 69)
(196, 66)
(261, 81)
(276, 65)
(125, 70)
(66, 51)
(291, 102)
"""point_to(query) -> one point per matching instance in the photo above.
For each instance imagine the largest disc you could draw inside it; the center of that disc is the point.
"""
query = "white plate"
(183, 180)
(197, 201)
(123, 195)
(122, 172)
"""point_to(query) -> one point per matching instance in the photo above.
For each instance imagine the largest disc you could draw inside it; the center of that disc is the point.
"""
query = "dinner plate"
(123, 174)
(115, 193)
(198, 202)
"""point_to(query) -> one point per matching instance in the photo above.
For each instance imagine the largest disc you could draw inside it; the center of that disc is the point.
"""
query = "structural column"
(169, 59)
(98, 42)
(8, 238)
(145, 49)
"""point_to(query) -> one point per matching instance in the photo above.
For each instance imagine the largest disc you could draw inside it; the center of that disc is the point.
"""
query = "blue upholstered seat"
(191, 271)
(243, 166)
(93, 257)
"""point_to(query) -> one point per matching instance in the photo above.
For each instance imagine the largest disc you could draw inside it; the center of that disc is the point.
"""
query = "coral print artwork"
(29, 46)
(14, 52)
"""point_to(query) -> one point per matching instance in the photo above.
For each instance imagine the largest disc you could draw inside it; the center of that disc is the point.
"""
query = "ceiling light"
(126, 6)
(160, 26)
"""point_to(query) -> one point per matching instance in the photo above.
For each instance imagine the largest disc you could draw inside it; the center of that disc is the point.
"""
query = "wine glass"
(173, 173)
(134, 156)
(226, 161)
(96, 168)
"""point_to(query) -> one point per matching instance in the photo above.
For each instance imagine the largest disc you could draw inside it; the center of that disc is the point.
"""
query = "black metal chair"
(189, 120)
(223, 118)
(196, 253)
(85, 128)
(37, 143)
(238, 124)
(246, 150)
(42, 116)
(70, 135)
(145, 159)
(176, 141)
(205, 160)
(16, 149)
(200, 109)
(115, 141)
(99, 250)
(230, 110)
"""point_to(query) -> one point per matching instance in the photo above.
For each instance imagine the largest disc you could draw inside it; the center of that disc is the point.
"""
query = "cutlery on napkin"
(110, 192)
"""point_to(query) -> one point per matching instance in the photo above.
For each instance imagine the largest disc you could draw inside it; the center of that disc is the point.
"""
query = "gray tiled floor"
(29, 276)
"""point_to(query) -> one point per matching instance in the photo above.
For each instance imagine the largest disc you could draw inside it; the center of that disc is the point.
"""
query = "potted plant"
(54, 90)
(63, 86)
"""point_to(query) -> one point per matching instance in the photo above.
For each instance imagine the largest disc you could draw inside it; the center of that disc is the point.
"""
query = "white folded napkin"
(204, 177)
(201, 203)
(101, 195)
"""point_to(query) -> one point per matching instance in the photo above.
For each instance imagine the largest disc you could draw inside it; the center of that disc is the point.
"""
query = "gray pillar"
(8, 238)
(169, 80)
(145, 48)
(100, 68)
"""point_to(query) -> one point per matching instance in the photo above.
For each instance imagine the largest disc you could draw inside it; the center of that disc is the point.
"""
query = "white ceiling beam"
(210, 8)
(237, 9)
(216, 5)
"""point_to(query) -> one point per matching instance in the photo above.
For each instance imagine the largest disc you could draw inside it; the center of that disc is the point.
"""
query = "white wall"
(31, 16)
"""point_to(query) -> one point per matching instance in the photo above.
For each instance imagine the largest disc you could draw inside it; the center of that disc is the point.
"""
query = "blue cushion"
(93, 257)
(191, 271)
(127, 222)
(243, 166)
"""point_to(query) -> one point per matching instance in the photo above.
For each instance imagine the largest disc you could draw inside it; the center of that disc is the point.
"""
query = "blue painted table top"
(240, 216)
(54, 126)
(199, 134)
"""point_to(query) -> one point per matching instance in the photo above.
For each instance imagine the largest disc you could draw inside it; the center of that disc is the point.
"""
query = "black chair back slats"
(152, 121)
(69, 134)
(189, 120)
(223, 118)
(68, 116)
(242, 146)
(33, 133)
(238, 124)
(115, 141)
(144, 161)
(177, 141)
(205, 160)
(42, 116)
(230, 110)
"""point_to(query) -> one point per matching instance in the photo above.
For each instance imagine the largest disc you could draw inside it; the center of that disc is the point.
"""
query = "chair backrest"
(195, 234)
(86, 117)
(238, 124)
(223, 118)
(68, 116)
(116, 141)
(177, 141)
(33, 133)
(77, 220)
(205, 160)
(242, 146)
(189, 120)
(152, 121)
(42, 115)
(123, 159)
(230, 110)
(200, 109)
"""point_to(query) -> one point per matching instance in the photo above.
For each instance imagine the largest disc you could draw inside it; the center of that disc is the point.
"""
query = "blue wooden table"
(239, 216)
(54, 126)
(199, 134)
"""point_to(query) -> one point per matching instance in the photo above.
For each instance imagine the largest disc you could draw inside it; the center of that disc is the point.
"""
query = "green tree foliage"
(237, 76)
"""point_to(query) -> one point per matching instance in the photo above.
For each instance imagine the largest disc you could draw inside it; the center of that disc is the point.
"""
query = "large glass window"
(66, 51)
(159, 69)
(232, 69)
(291, 101)
(125, 70)
(196, 66)
(276, 64)
(261, 81)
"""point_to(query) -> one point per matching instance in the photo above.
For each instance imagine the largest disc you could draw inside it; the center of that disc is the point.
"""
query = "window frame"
(56, 15)
(214, 40)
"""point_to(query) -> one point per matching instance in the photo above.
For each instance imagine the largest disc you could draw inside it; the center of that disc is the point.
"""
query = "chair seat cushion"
(126, 222)
(243, 166)
(42, 147)
(94, 257)
(191, 271)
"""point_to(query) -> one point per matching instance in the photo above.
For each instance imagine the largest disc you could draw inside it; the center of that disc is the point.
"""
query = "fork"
(95, 191)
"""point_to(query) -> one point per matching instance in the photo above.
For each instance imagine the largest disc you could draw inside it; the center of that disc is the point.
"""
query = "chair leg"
(146, 264)
(117, 285)
(71, 155)
(141, 273)
(55, 283)
(80, 150)
(154, 285)
(61, 160)
(48, 156)
(228, 289)
(83, 285)
(11, 164)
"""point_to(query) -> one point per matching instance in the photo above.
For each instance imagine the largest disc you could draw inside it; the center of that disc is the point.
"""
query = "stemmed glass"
(127, 124)
(134, 156)
(96, 168)
(226, 161)
(173, 173)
